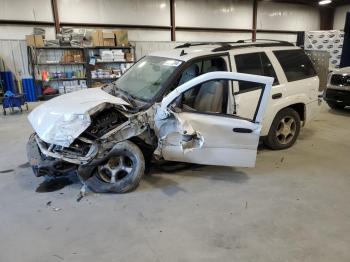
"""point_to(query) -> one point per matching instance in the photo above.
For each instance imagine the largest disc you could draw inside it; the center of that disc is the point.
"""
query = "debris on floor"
(6, 171)
(54, 184)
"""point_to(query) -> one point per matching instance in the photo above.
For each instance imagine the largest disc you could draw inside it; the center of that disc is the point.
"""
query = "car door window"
(198, 68)
(257, 64)
(209, 97)
(296, 64)
(201, 67)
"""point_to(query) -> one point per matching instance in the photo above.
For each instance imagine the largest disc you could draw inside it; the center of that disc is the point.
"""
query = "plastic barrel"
(7, 79)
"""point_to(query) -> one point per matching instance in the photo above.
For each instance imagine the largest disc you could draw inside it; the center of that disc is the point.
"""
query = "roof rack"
(185, 45)
(226, 45)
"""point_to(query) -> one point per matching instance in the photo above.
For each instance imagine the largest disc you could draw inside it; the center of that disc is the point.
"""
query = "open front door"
(193, 125)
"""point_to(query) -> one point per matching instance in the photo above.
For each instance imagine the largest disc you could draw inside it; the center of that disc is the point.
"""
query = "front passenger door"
(201, 132)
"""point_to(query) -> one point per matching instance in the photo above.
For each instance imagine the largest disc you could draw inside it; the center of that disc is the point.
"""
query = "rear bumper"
(337, 96)
(43, 165)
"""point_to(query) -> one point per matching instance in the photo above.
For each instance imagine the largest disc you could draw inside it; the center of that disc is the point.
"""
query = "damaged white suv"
(178, 105)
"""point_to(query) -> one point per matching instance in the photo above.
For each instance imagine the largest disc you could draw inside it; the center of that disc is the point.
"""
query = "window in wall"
(296, 64)
(256, 64)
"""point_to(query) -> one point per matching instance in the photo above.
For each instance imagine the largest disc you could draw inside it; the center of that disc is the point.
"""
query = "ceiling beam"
(55, 15)
(255, 18)
(26, 23)
(172, 20)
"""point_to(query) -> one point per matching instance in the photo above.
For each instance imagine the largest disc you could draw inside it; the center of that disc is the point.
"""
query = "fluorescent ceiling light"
(325, 2)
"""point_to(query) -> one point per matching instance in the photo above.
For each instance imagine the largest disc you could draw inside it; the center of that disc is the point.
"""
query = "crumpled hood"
(62, 119)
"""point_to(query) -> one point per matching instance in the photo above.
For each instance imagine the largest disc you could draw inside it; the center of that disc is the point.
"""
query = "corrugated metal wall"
(13, 57)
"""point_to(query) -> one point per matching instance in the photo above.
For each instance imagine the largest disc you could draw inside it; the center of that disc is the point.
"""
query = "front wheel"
(284, 130)
(121, 172)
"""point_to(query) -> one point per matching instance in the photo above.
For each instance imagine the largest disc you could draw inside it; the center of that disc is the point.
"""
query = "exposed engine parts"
(103, 122)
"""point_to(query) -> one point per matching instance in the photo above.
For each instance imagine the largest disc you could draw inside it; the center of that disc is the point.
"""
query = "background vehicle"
(337, 94)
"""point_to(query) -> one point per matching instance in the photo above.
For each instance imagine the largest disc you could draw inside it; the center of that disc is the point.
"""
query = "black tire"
(286, 120)
(126, 162)
(335, 106)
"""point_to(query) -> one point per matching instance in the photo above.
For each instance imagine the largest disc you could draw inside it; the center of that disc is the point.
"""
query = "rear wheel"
(335, 105)
(284, 130)
(121, 172)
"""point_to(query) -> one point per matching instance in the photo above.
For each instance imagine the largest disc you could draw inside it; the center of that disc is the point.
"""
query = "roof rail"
(227, 44)
(253, 44)
(185, 45)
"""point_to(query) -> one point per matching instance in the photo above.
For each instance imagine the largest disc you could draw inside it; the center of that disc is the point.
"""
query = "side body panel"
(297, 92)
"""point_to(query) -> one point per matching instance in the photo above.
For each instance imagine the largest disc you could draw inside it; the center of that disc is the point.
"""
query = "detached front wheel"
(121, 172)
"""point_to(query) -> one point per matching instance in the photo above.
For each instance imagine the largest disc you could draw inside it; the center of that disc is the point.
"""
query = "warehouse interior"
(174, 130)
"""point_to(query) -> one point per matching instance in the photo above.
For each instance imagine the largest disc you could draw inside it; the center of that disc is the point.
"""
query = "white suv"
(188, 104)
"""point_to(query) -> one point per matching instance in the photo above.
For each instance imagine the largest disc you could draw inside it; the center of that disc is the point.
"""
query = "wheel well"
(300, 109)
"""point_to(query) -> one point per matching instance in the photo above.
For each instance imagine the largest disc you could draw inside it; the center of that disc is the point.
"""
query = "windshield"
(146, 78)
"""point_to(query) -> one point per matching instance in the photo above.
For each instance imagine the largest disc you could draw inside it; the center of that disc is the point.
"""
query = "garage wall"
(339, 17)
(217, 14)
(28, 10)
(225, 14)
(280, 16)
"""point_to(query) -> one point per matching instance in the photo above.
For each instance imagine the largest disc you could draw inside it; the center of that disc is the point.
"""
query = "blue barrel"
(7, 80)
(29, 89)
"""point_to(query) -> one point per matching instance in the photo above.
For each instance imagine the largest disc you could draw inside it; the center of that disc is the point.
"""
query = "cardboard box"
(30, 40)
(129, 57)
(121, 37)
(108, 39)
(39, 41)
(97, 38)
(35, 40)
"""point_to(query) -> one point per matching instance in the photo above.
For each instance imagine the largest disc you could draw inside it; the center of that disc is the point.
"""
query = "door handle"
(242, 130)
(276, 96)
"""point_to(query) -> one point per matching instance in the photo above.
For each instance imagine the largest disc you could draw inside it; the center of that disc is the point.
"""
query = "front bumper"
(43, 165)
(337, 96)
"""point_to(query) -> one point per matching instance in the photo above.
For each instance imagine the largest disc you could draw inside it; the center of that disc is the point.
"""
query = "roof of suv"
(188, 51)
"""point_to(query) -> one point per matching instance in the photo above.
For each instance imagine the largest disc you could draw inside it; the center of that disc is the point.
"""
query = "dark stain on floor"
(6, 171)
(54, 184)
(25, 165)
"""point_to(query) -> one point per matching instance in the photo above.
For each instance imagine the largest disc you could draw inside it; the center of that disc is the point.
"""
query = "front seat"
(210, 96)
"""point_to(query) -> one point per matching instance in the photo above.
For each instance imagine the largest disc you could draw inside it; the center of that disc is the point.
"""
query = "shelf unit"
(93, 53)
(52, 60)
(62, 68)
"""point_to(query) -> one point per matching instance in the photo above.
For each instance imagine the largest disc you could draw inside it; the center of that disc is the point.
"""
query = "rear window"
(296, 64)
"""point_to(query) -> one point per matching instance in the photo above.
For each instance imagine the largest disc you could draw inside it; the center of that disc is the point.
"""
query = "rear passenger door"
(300, 73)
(247, 93)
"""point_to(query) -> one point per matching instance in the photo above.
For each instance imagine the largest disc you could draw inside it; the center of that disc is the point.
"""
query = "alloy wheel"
(286, 129)
(116, 168)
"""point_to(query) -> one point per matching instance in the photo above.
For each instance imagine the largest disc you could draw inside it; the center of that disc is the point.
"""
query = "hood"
(62, 119)
(343, 70)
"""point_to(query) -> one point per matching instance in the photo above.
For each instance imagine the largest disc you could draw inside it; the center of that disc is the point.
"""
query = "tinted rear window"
(296, 64)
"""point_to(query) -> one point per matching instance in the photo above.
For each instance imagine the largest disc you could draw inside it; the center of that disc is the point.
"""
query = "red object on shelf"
(49, 91)
(45, 76)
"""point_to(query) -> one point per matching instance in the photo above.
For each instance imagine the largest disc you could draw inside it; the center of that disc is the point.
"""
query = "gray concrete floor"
(294, 206)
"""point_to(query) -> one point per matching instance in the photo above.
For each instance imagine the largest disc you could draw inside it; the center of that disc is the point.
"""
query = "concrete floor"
(294, 206)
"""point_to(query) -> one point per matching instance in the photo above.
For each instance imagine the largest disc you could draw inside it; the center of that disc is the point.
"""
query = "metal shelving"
(86, 68)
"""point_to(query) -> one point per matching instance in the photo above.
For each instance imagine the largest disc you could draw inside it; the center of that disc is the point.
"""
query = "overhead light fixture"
(325, 2)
